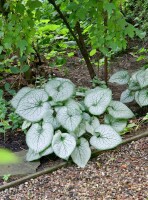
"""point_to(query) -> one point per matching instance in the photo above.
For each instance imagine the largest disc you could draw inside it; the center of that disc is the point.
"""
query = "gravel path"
(120, 174)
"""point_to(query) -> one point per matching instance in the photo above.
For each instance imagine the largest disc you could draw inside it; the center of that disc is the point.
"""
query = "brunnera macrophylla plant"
(58, 123)
(137, 86)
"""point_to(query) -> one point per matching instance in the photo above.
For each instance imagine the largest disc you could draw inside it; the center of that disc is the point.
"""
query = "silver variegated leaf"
(81, 153)
(121, 77)
(38, 137)
(141, 97)
(127, 96)
(119, 110)
(142, 78)
(117, 124)
(63, 144)
(106, 138)
(16, 99)
(97, 100)
(33, 105)
(31, 155)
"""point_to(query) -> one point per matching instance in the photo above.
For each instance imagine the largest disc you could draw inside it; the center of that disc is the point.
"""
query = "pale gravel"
(118, 175)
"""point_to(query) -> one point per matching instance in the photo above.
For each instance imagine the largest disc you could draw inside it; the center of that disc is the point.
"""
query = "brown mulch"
(120, 174)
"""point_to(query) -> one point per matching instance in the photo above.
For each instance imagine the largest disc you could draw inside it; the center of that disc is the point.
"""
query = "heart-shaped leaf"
(142, 78)
(63, 144)
(119, 110)
(141, 97)
(50, 117)
(127, 96)
(69, 118)
(92, 125)
(81, 153)
(16, 99)
(121, 77)
(38, 138)
(106, 138)
(97, 100)
(117, 124)
(33, 105)
(60, 90)
(47, 151)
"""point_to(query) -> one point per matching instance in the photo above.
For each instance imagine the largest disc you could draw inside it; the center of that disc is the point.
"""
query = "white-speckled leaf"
(106, 138)
(98, 100)
(117, 124)
(121, 77)
(119, 110)
(33, 105)
(38, 138)
(63, 144)
(81, 153)
(127, 96)
(60, 90)
(31, 155)
(21, 93)
(141, 97)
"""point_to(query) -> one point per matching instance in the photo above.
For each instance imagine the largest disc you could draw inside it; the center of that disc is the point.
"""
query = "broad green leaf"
(141, 97)
(119, 110)
(142, 78)
(117, 124)
(33, 106)
(92, 125)
(25, 125)
(106, 138)
(31, 155)
(92, 53)
(121, 77)
(81, 153)
(60, 90)
(16, 99)
(47, 151)
(7, 157)
(97, 100)
(1, 49)
(38, 138)
(15, 70)
(127, 96)
(24, 69)
(63, 144)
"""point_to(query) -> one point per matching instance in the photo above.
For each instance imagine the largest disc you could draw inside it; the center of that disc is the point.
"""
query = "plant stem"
(80, 41)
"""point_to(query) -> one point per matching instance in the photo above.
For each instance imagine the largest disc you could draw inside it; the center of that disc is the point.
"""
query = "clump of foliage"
(58, 122)
(137, 86)
(137, 13)
(8, 119)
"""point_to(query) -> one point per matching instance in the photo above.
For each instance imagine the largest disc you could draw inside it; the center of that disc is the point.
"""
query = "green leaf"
(97, 100)
(106, 138)
(93, 52)
(15, 70)
(1, 49)
(81, 153)
(121, 77)
(63, 144)
(25, 125)
(33, 106)
(38, 138)
(24, 69)
(119, 110)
